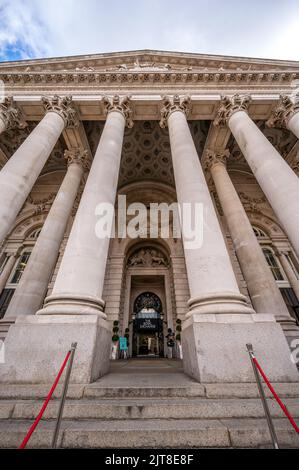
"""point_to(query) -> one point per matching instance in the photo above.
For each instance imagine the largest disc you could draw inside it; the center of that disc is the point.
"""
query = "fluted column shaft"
(213, 286)
(277, 180)
(33, 285)
(264, 293)
(21, 171)
(4, 276)
(79, 284)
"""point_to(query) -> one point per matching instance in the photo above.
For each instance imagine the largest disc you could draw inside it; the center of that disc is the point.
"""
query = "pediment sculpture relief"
(147, 257)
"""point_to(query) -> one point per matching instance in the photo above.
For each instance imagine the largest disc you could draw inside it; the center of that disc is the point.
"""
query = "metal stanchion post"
(63, 396)
(263, 398)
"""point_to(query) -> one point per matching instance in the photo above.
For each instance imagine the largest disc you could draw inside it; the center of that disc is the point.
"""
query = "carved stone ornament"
(284, 111)
(11, 115)
(79, 156)
(147, 257)
(250, 203)
(212, 157)
(120, 104)
(295, 167)
(230, 105)
(41, 205)
(63, 107)
(172, 104)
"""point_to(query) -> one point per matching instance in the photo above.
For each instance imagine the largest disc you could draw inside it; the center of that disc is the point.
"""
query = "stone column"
(277, 180)
(263, 290)
(4, 276)
(21, 171)
(219, 322)
(294, 282)
(33, 285)
(217, 289)
(10, 116)
(74, 310)
(79, 284)
(286, 114)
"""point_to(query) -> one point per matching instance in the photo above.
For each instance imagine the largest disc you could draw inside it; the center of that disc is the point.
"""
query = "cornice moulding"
(284, 77)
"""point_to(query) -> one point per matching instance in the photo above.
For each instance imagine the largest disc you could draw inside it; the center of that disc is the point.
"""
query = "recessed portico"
(145, 131)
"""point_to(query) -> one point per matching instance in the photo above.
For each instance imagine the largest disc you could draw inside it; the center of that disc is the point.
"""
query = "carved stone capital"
(120, 104)
(11, 115)
(284, 111)
(295, 167)
(63, 107)
(214, 157)
(172, 104)
(79, 157)
(230, 105)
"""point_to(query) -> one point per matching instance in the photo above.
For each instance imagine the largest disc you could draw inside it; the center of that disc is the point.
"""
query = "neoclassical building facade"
(157, 128)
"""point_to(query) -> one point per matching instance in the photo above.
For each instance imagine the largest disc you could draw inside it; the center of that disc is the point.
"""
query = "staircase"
(148, 404)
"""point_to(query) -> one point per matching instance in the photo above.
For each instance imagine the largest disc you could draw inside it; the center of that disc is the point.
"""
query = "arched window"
(13, 281)
(273, 263)
(259, 233)
(34, 234)
(20, 267)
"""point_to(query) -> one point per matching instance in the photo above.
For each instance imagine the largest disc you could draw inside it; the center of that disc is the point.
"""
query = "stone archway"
(147, 269)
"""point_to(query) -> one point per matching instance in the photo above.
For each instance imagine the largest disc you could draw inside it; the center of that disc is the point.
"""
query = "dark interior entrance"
(148, 338)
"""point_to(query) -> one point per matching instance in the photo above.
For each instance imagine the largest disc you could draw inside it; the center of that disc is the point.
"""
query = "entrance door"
(148, 326)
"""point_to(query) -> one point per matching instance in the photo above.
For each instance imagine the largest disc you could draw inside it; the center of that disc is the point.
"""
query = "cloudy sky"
(50, 28)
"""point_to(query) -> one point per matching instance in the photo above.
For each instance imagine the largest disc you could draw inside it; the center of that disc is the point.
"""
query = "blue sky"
(50, 28)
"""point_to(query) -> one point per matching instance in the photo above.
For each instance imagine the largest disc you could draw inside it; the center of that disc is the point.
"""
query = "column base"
(214, 348)
(223, 302)
(35, 348)
(66, 304)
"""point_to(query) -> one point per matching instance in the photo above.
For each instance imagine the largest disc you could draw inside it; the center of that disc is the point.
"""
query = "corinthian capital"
(11, 115)
(284, 111)
(63, 107)
(78, 156)
(230, 105)
(120, 104)
(172, 104)
(214, 157)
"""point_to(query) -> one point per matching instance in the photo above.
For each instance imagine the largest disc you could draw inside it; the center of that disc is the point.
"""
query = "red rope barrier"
(40, 414)
(282, 406)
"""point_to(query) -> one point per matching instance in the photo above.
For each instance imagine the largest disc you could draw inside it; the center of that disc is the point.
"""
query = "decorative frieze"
(62, 106)
(152, 77)
(120, 104)
(172, 104)
(11, 115)
(284, 111)
(230, 105)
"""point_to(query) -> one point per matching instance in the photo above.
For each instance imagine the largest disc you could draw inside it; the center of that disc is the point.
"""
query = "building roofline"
(153, 52)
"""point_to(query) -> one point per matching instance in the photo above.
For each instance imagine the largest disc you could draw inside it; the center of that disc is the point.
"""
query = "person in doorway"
(170, 343)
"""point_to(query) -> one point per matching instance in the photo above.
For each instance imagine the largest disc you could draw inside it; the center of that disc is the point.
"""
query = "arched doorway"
(148, 338)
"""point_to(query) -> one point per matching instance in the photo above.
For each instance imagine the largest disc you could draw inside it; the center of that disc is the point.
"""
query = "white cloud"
(43, 28)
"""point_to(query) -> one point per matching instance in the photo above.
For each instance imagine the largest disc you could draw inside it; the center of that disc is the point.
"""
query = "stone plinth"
(36, 346)
(214, 348)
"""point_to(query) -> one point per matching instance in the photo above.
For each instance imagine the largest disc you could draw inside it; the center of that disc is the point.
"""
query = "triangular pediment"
(147, 61)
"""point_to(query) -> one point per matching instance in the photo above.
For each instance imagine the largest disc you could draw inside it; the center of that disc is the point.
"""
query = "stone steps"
(192, 433)
(195, 415)
(186, 408)
(96, 390)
